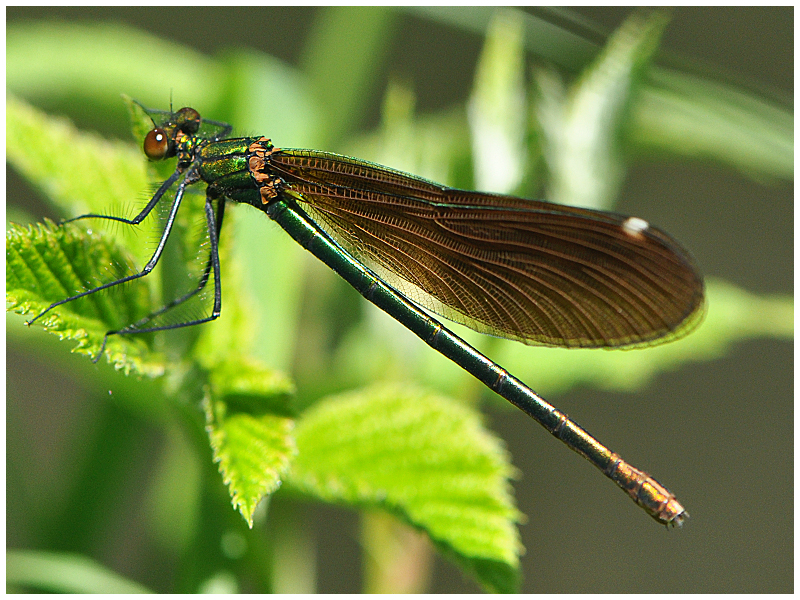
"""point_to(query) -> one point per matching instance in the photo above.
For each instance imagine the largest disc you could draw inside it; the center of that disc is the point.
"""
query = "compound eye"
(188, 120)
(156, 144)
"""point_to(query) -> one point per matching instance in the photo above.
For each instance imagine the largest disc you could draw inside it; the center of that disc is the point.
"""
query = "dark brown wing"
(521, 269)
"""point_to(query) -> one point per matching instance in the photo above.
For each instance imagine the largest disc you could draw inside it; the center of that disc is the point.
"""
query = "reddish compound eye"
(156, 144)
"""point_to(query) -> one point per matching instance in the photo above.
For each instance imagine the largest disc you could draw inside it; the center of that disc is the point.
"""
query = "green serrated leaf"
(45, 264)
(95, 176)
(424, 458)
(253, 452)
(250, 386)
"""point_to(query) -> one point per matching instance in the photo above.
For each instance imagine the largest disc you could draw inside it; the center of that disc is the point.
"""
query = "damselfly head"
(160, 142)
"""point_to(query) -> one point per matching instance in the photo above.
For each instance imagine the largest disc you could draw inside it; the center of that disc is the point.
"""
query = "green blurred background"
(719, 433)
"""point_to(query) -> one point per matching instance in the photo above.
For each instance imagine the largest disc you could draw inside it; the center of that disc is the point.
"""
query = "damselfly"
(527, 270)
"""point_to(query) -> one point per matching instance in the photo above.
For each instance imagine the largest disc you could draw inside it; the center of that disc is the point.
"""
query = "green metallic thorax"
(223, 165)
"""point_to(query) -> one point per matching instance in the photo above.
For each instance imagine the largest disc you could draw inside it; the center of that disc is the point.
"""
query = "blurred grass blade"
(496, 107)
(697, 118)
(64, 573)
(121, 58)
(543, 37)
(582, 127)
(78, 172)
(341, 59)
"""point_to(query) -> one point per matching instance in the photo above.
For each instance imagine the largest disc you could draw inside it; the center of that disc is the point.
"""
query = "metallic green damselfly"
(527, 270)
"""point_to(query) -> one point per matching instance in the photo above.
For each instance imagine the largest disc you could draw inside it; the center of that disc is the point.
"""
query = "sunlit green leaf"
(45, 264)
(424, 458)
(253, 451)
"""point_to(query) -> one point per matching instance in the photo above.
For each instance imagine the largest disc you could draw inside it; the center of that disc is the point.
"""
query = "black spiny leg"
(214, 224)
(135, 221)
